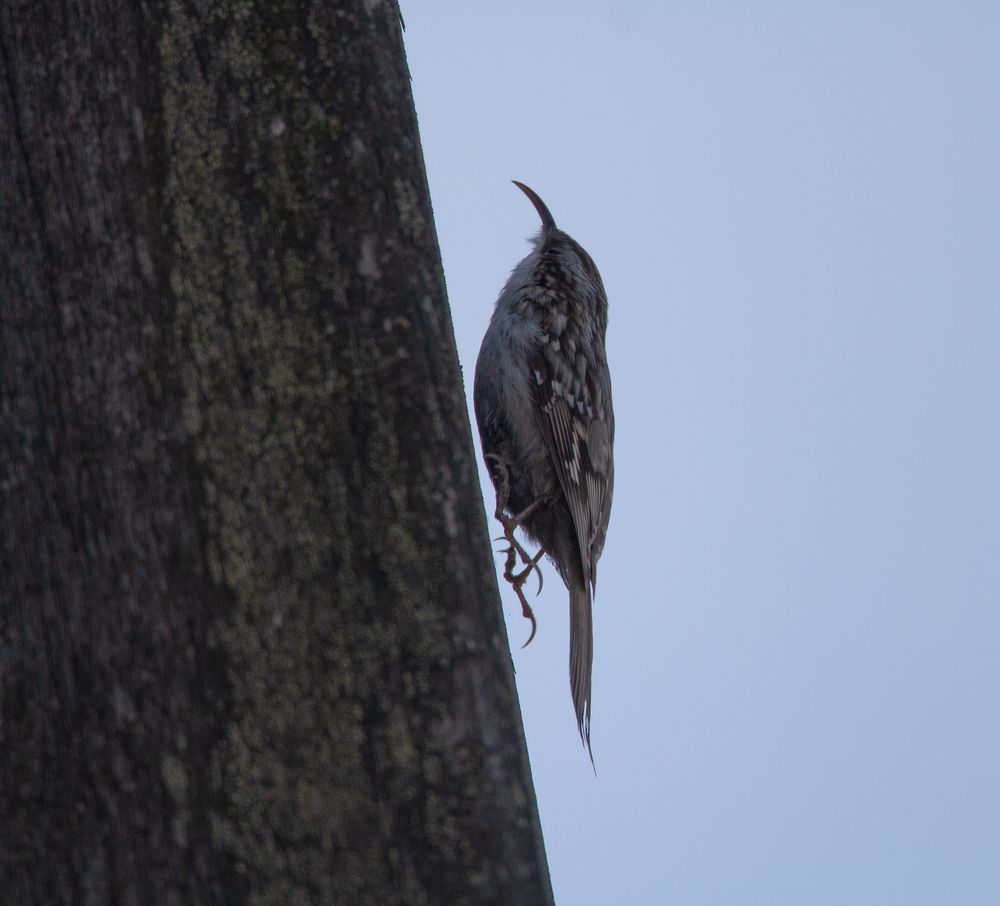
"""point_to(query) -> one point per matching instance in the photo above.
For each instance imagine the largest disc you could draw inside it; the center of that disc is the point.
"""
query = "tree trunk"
(251, 648)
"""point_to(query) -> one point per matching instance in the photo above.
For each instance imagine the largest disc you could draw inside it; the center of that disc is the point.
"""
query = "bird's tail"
(581, 656)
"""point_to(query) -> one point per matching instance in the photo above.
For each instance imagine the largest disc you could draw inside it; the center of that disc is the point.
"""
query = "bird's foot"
(517, 581)
(515, 550)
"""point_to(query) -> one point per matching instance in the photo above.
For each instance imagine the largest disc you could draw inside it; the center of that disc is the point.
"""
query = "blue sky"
(796, 211)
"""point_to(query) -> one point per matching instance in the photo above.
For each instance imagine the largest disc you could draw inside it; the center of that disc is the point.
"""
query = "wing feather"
(573, 416)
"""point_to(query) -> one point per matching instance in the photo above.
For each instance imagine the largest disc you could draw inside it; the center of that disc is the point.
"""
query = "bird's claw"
(514, 549)
(517, 581)
(526, 610)
(530, 614)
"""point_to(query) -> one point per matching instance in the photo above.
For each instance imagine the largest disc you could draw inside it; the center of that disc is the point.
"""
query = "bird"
(542, 399)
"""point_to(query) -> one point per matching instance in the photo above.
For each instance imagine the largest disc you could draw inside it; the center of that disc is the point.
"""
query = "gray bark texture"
(251, 648)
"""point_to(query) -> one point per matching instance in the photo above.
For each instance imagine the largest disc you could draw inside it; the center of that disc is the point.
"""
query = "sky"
(796, 211)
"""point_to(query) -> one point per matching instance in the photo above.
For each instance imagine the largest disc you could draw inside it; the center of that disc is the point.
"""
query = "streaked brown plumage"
(543, 405)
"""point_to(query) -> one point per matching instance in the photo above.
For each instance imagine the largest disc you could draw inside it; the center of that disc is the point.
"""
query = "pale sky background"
(796, 211)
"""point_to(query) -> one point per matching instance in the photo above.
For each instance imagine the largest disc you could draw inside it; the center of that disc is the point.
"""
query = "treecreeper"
(543, 405)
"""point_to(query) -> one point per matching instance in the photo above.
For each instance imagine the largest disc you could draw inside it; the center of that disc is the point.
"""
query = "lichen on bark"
(257, 647)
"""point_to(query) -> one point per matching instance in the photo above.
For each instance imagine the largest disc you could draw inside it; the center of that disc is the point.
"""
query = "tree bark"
(251, 647)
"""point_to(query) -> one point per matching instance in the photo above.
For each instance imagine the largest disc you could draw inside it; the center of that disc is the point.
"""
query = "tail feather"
(581, 657)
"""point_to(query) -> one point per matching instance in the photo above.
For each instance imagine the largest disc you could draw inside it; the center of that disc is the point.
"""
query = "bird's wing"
(573, 411)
